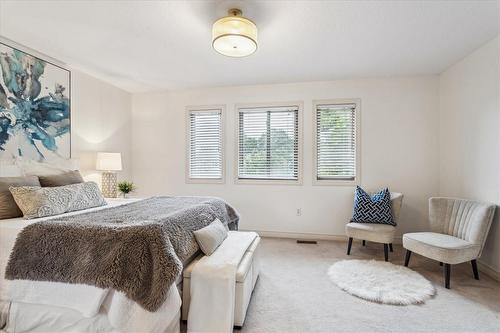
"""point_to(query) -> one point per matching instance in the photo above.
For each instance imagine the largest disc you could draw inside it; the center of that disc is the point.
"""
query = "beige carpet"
(294, 294)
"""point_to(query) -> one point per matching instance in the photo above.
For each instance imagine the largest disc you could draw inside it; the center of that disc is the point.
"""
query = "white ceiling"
(142, 46)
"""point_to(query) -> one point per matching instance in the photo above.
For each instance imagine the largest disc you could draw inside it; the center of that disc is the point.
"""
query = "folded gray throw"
(137, 248)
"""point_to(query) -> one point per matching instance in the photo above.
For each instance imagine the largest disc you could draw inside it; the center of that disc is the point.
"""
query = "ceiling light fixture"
(234, 35)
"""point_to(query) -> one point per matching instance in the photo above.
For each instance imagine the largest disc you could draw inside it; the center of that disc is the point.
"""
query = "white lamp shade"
(109, 161)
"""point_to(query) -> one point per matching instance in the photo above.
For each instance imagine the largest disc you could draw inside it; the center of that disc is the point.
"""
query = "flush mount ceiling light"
(234, 35)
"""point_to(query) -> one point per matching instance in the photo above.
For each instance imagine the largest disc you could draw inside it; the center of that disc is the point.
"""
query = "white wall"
(100, 121)
(469, 134)
(399, 149)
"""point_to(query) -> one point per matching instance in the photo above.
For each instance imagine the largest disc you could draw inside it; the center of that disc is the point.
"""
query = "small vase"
(124, 195)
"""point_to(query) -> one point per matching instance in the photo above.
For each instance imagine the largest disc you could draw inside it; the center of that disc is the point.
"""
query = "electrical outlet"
(299, 211)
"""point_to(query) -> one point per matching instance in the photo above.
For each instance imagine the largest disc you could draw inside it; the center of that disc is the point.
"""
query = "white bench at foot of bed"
(246, 277)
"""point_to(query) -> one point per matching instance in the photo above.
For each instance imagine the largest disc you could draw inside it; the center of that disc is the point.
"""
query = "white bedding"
(87, 299)
(35, 318)
(68, 305)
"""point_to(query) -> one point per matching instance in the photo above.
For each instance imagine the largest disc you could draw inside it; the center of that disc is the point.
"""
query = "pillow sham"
(9, 169)
(8, 206)
(210, 237)
(34, 168)
(37, 202)
(374, 208)
(67, 178)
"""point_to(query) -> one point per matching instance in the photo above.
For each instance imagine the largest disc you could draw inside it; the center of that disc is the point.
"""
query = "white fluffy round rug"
(381, 282)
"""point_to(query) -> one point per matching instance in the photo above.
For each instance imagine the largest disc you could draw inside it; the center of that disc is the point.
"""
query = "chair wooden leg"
(390, 247)
(474, 269)
(349, 245)
(407, 257)
(386, 252)
(364, 242)
(447, 269)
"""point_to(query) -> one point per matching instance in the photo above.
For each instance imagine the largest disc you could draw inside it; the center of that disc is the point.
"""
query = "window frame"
(205, 108)
(298, 181)
(357, 115)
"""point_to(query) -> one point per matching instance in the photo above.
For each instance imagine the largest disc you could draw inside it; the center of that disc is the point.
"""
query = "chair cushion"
(441, 247)
(374, 208)
(374, 232)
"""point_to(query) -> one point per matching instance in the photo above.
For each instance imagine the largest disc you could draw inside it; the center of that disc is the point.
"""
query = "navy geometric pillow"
(373, 209)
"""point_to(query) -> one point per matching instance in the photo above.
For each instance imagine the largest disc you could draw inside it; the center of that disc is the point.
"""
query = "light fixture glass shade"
(234, 36)
(109, 162)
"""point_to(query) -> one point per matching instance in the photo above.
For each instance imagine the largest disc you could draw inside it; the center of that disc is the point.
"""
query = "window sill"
(335, 182)
(267, 182)
(204, 181)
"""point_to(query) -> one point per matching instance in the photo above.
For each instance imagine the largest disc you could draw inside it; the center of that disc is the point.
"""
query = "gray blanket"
(137, 248)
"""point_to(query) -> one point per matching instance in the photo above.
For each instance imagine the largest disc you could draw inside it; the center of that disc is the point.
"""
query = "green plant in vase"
(126, 187)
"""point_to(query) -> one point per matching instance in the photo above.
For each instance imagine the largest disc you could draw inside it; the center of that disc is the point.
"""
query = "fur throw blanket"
(137, 248)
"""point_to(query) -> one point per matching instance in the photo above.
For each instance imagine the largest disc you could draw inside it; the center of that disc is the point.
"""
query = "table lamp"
(109, 163)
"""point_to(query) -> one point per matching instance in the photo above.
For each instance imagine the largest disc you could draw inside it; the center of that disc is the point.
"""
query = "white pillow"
(34, 168)
(9, 169)
(210, 237)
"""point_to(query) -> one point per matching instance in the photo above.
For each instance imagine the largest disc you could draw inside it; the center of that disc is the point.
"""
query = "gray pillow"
(210, 237)
(66, 178)
(8, 206)
(37, 202)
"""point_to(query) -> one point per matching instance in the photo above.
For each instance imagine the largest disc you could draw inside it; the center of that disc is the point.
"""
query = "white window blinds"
(268, 143)
(336, 142)
(205, 146)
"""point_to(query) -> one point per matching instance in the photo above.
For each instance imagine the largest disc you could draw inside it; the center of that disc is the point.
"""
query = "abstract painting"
(35, 108)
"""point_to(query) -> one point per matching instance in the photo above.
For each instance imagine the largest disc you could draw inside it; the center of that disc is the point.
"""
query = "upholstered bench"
(246, 277)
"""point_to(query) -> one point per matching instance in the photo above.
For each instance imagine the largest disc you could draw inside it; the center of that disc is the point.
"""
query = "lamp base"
(109, 184)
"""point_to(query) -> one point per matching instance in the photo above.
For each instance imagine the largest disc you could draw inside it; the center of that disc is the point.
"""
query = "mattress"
(41, 318)
(33, 318)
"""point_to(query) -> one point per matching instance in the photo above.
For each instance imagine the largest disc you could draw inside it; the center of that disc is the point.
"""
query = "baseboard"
(488, 270)
(307, 235)
(297, 235)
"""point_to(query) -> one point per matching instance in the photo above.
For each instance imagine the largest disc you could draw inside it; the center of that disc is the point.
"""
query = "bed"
(31, 305)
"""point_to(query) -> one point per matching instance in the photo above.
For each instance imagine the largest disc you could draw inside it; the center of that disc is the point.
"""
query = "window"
(336, 138)
(268, 143)
(205, 145)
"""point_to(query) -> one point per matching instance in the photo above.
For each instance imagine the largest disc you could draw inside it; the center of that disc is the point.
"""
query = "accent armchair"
(459, 229)
(374, 232)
